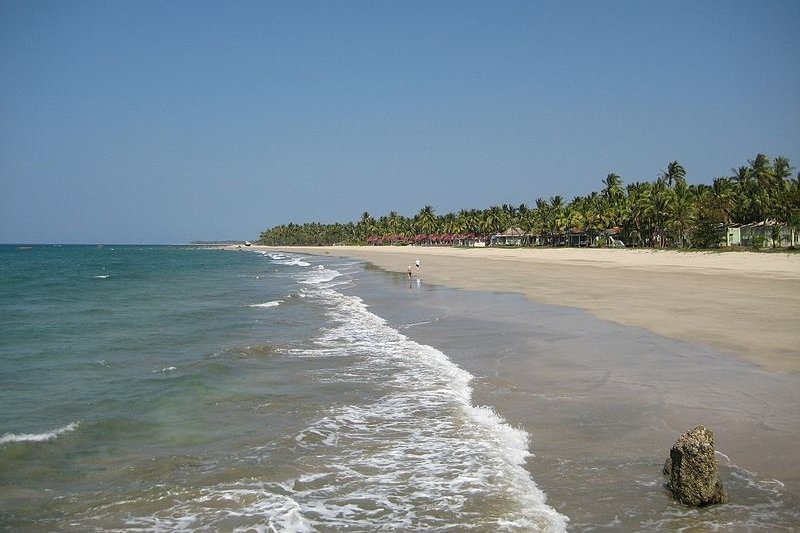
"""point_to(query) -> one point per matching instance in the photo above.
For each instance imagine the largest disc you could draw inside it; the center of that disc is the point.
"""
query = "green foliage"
(665, 212)
(706, 234)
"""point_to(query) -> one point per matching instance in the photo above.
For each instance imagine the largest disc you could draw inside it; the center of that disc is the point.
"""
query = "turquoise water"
(174, 388)
(124, 357)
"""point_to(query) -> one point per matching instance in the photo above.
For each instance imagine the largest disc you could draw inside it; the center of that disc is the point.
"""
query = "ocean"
(182, 389)
(176, 388)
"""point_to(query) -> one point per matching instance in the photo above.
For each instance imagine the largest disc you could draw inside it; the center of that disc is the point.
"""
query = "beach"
(171, 388)
(194, 389)
(744, 304)
(606, 356)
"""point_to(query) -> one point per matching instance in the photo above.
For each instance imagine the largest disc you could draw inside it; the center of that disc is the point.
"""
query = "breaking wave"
(38, 437)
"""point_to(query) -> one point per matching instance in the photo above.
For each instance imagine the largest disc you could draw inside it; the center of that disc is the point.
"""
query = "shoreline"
(742, 304)
(602, 403)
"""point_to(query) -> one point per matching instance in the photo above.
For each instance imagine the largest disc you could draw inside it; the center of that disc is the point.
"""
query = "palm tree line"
(666, 212)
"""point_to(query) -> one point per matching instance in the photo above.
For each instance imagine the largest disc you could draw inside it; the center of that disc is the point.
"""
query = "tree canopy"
(665, 212)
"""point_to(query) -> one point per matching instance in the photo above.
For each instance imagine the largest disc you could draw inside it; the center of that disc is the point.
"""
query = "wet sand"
(744, 304)
(603, 403)
(605, 356)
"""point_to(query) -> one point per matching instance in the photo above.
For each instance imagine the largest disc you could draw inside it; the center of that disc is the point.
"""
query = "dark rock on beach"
(692, 469)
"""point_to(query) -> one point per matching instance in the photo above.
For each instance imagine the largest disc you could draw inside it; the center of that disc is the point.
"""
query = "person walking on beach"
(417, 263)
(409, 272)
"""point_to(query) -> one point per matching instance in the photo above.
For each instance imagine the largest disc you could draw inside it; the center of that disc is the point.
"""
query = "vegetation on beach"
(666, 212)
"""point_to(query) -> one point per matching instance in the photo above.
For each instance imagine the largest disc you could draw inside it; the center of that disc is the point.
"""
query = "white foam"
(275, 303)
(104, 276)
(38, 437)
(422, 440)
(253, 506)
(287, 260)
(417, 456)
(317, 277)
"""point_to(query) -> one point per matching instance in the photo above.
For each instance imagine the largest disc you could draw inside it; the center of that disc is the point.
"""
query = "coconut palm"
(723, 196)
(394, 222)
(781, 168)
(637, 221)
(426, 221)
(674, 174)
(366, 225)
(682, 212)
(612, 191)
(788, 207)
(659, 210)
(543, 214)
(761, 169)
(494, 220)
(471, 221)
(449, 223)
(557, 217)
(658, 213)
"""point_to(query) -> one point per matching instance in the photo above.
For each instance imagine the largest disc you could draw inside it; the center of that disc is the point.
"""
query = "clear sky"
(166, 122)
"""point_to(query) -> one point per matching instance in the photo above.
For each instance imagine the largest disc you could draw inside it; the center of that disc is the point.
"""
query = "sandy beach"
(744, 304)
(606, 356)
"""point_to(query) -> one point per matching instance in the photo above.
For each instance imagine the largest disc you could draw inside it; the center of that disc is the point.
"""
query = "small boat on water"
(24, 248)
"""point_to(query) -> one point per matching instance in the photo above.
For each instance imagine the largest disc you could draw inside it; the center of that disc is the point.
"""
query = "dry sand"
(744, 304)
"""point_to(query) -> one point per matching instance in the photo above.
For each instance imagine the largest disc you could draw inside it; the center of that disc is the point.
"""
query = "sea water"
(184, 389)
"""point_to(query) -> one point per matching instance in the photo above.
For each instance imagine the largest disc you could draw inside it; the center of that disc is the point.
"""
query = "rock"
(692, 469)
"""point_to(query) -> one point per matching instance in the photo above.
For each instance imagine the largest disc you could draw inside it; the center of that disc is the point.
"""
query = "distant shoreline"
(744, 304)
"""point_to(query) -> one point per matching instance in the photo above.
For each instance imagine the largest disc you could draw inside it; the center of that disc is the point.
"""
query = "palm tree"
(674, 174)
(394, 222)
(788, 207)
(659, 213)
(558, 219)
(529, 223)
(781, 168)
(724, 198)
(614, 201)
(494, 220)
(601, 214)
(637, 224)
(682, 212)
(449, 223)
(612, 191)
(523, 210)
(761, 169)
(659, 209)
(366, 224)
(509, 213)
(763, 195)
(471, 221)
(740, 175)
(542, 213)
(426, 221)
(770, 198)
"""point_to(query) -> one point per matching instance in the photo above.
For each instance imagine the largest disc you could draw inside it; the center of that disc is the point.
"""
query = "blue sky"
(166, 122)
